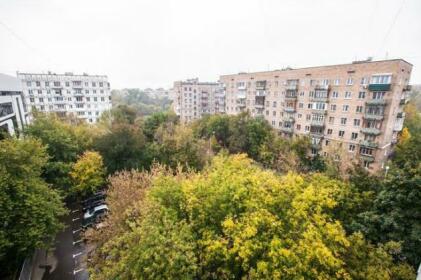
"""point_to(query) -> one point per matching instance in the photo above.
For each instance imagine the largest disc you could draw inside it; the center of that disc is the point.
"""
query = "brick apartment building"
(352, 112)
(193, 99)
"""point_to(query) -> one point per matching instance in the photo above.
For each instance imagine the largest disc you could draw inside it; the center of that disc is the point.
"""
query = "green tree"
(123, 147)
(88, 173)
(29, 209)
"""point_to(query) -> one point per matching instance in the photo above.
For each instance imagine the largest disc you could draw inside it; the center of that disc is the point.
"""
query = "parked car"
(99, 196)
(99, 210)
(93, 203)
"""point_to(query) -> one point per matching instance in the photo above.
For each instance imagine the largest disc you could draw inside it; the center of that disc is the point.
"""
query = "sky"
(152, 43)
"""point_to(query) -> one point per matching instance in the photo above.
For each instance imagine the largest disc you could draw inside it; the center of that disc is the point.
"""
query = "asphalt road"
(67, 260)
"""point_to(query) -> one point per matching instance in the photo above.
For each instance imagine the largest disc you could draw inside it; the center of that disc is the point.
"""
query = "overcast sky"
(151, 43)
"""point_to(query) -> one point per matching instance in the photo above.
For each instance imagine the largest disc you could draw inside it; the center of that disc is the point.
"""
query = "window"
(337, 82)
(341, 133)
(56, 84)
(320, 106)
(333, 107)
(343, 121)
(38, 84)
(348, 95)
(93, 84)
(359, 109)
(354, 135)
(327, 142)
(32, 100)
(361, 95)
(345, 108)
(101, 84)
(349, 81)
(335, 94)
(47, 84)
(309, 106)
(301, 105)
(298, 126)
(299, 116)
(102, 99)
(366, 164)
(329, 131)
(267, 112)
(273, 123)
(41, 99)
(357, 122)
(351, 148)
(39, 91)
(28, 84)
(378, 94)
(67, 84)
(325, 82)
(366, 151)
(364, 80)
(78, 98)
(306, 128)
(381, 79)
(308, 117)
(274, 104)
(274, 113)
(331, 120)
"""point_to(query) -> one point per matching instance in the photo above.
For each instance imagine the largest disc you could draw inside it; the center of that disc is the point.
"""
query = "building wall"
(193, 99)
(85, 96)
(328, 101)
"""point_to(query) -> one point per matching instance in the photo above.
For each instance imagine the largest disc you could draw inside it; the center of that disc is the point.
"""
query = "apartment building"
(352, 112)
(193, 99)
(85, 96)
(13, 114)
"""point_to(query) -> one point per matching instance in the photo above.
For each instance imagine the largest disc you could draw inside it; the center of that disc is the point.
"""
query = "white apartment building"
(193, 99)
(13, 114)
(85, 96)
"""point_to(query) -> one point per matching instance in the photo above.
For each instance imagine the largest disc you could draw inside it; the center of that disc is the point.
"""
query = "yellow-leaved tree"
(88, 173)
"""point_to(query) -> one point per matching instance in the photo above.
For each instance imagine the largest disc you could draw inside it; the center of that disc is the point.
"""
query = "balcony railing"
(259, 105)
(368, 158)
(260, 93)
(286, 129)
(319, 123)
(241, 96)
(261, 85)
(291, 87)
(370, 131)
(369, 144)
(319, 99)
(379, 87)
(288, 119)
(403, 101)
(376, 102)
(371, 116)
(242, 87)
(316, 133)
(289, 109)
(317, 146)
(290, 96)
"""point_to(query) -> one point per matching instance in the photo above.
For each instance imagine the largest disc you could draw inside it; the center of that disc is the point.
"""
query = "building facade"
(85, 96)
(13, 113)
(352, 112)
(194, 99)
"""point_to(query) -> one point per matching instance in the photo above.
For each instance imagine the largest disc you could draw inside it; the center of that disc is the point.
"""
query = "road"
(67, 259)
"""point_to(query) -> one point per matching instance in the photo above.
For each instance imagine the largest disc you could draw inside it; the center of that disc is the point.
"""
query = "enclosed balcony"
(291, 96)
(286, 129)
(368, 158)
(289, 109)
(379, 87)
(317, 123)
(288, 119)
(259, 105)
(260, 85)
(373, 116)
(369, 144)
(403, 101)
(260, 93)
(376, 102)
(291, 87)
(371, 131)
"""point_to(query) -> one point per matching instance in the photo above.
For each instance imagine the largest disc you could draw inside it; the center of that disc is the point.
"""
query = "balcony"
(259, 105)
(398, 126)
(376, 102)
(316, 133)
(368, 158)
(379, 87)
(261, 85)
(403, 101)
(286, 129)
(400, 115)
(291, 87)
(241, 104)
(319, 99)
(321, 88)
(289, 109)
(316, 146)
(260, 93)
(288, 119)
(407, 88)
(241, 87)
(290, 96)
(317, 123)
(370, 131)
(371, 116)
(241, 96)
(369, 144)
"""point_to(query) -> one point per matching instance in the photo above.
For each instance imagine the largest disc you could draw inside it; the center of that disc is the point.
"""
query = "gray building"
(13, 113)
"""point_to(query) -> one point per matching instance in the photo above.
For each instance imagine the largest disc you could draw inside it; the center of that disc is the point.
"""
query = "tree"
(29, 209)
(123, 147)
(88, 173)
(234, 220)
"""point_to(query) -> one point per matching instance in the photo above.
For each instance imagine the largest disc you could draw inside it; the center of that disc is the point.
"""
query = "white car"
(98, 210)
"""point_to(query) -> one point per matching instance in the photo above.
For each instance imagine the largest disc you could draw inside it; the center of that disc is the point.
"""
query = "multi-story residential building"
(352, 112)
(193, 99)
(13, 114)
(85, 96)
